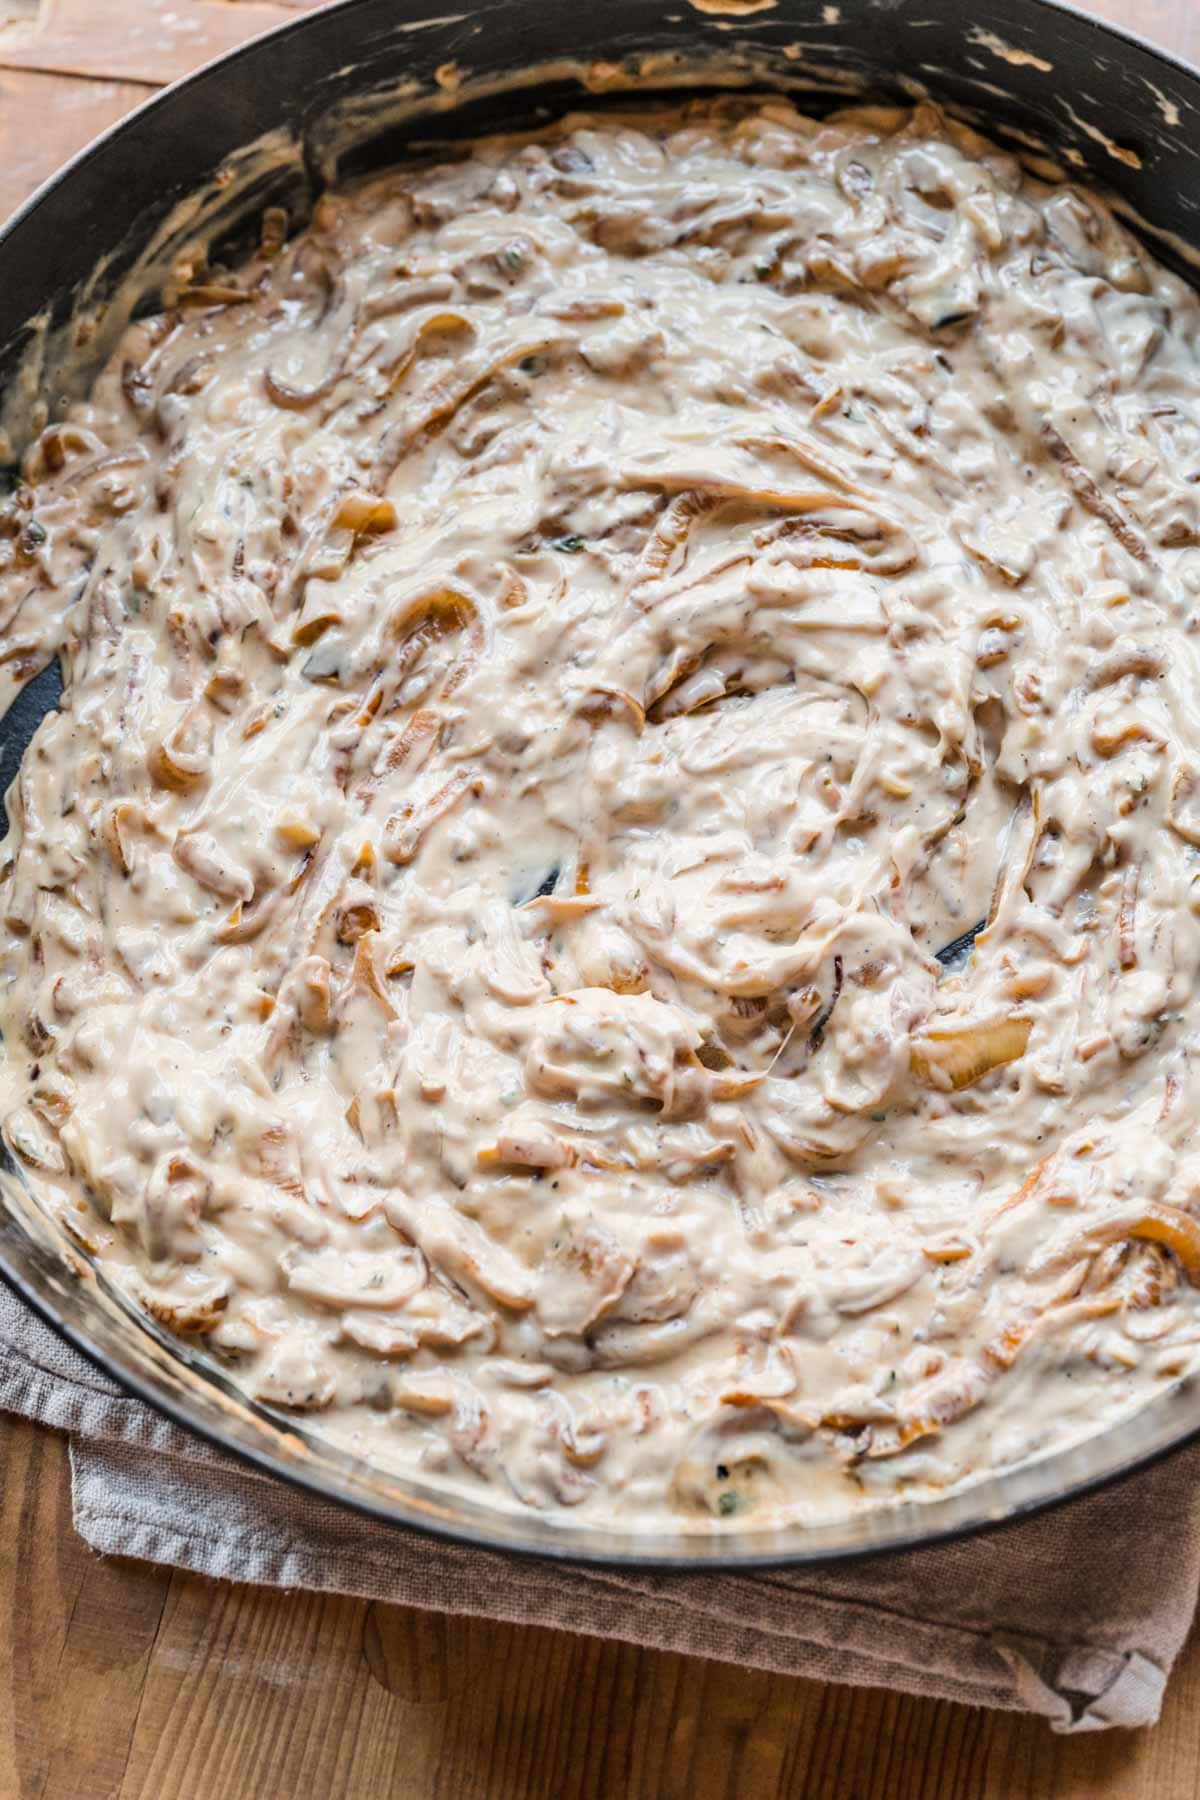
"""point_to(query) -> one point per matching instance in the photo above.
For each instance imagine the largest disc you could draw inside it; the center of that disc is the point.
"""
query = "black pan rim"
(309, 21)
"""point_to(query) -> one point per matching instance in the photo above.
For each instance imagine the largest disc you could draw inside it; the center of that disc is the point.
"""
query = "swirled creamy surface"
(553, 654)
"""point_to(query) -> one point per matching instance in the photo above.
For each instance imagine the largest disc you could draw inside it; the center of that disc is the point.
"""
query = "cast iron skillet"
(1125, 115)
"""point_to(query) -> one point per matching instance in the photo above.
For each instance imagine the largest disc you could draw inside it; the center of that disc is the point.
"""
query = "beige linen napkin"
(1077, 1615)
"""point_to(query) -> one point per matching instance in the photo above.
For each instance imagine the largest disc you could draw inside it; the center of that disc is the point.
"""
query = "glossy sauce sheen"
(553, 653)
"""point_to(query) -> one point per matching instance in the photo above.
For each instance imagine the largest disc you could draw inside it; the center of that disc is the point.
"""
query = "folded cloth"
(1077, 1614)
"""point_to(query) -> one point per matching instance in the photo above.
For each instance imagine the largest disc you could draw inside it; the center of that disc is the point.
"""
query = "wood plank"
(1172, 24)
(44, 119)
(261, 1694)
(265, 1695)
(133, 40)
(77, 1633)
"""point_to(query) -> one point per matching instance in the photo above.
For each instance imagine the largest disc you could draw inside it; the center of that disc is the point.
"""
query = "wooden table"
(122, 1679)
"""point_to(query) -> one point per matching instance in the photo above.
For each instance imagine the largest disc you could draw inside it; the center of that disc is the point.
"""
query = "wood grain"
(1173, 24)
(77, 111)
(138, 40)
(121, 1681)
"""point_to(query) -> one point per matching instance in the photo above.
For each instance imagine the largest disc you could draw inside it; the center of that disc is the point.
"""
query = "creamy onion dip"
(611, 907)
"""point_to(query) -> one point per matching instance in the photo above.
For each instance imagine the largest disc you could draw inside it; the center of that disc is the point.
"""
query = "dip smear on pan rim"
(611, 909)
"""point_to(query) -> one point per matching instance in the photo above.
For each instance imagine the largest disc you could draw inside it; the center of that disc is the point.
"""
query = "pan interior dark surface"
(1119, 112)
(1121, 115)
